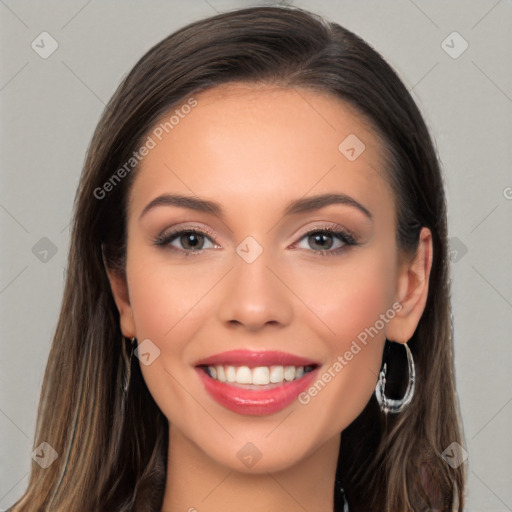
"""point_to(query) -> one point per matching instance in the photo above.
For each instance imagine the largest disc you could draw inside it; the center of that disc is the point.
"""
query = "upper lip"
(253, 359)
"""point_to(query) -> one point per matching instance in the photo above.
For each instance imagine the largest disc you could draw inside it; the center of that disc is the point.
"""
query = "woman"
(256, 314)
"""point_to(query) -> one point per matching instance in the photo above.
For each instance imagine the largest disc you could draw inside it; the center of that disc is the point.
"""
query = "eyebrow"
(302, 205)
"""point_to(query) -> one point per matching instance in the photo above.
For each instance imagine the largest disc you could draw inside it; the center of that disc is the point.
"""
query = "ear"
(119, 287)
(412, 290)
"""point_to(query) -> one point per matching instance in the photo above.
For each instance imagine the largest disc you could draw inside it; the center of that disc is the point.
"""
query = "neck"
(197, 483)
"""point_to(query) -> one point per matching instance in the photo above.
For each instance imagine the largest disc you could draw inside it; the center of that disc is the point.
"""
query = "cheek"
(164, 291)
(350, 295)
(166, 300)
(353, 300)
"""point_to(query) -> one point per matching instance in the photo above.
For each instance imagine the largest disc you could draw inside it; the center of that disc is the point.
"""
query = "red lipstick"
(253, 359)
(256, 400)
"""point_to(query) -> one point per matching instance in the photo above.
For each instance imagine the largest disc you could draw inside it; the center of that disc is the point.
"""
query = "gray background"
(49, 108)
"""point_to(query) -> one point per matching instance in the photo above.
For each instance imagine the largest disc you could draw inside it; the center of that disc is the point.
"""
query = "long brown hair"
(111, 459)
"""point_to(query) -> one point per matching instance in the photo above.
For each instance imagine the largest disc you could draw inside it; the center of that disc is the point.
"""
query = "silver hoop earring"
(127, 362)
(388, 404)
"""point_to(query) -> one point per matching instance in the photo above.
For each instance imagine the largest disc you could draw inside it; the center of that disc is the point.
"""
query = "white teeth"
(276, 374)
(220, 373)
(261, 375)
(243, 375)
(289, 373)
(230, 373)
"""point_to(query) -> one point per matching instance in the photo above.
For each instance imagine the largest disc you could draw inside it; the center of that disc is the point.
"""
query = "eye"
(189, 240)
(328, 241)
(325, 241)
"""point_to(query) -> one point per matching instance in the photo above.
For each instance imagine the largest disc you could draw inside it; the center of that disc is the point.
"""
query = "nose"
(255, 295)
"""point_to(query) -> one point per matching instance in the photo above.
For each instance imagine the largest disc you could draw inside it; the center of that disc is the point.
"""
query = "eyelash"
(341, 233)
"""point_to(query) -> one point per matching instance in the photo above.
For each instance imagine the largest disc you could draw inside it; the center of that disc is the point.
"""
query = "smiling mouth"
(258, 382)
(260, 377)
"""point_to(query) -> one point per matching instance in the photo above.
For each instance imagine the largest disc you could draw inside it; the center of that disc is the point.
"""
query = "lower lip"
(256, 402)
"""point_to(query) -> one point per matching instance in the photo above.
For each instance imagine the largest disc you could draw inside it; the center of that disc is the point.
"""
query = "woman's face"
(264, 294)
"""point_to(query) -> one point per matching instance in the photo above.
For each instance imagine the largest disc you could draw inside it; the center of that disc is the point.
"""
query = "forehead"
(258, 143)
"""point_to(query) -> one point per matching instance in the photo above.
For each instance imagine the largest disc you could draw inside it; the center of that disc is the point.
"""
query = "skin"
(253, 150)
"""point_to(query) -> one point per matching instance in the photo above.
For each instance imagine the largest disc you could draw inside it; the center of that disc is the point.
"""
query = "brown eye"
(322, 241)
(186, 240)
(327, 241)
(191, 240)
